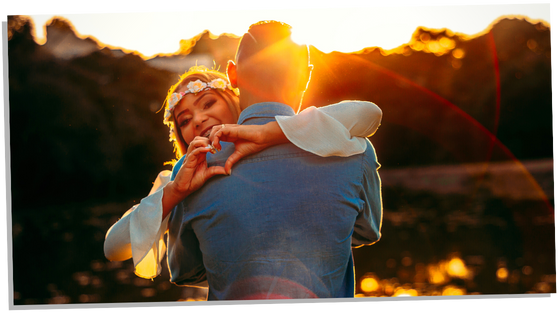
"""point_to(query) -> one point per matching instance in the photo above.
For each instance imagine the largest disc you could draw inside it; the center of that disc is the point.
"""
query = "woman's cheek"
(187, 134)
(226, 116)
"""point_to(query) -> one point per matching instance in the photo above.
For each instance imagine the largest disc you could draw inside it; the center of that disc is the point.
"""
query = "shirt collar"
(265, 110)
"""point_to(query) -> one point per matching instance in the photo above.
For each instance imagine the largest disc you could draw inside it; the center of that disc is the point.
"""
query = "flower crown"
(193, 87)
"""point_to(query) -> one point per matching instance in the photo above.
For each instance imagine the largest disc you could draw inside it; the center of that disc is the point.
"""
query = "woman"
(201, 109)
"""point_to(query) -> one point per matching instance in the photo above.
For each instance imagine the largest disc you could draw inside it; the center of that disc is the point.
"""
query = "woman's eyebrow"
(202, 94)
(184, 111)
(195, 103)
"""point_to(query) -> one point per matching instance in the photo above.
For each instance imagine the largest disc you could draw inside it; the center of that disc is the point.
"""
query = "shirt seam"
(364, 175)
(269, 157)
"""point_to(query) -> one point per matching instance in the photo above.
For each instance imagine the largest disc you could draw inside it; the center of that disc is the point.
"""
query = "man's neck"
(247, 99)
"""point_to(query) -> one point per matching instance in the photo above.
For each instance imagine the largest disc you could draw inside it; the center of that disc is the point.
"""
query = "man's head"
(269, 66)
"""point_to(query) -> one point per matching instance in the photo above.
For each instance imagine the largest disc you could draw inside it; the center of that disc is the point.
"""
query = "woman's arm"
(139, 233)
(334, 130)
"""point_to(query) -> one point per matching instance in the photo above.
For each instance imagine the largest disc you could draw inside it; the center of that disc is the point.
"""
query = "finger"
(199, 154)
(200, 142)
(214, 130)
(196, 143)
(229, 134)
(216, 135)
(215, 170)
(213, 149)
(232, 159)
(216, 140)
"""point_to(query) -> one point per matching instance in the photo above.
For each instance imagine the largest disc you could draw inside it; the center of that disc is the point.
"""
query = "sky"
(344, 29)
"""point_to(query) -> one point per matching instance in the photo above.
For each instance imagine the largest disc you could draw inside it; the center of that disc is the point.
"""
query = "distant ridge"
(444, 97)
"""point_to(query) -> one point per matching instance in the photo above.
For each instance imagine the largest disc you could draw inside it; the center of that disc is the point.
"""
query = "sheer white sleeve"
(335, 130)
(140, 233)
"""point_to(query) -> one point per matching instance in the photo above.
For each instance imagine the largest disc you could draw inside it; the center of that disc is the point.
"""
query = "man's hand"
(248, 139)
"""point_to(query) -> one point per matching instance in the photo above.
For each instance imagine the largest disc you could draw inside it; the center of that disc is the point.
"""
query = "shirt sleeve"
(367, 229)
(334, 130)
(140, 233)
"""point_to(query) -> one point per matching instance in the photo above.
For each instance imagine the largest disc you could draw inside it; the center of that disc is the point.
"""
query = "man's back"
(280, 226)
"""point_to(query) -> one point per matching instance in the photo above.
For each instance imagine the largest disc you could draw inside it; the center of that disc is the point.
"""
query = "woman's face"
(195, 115)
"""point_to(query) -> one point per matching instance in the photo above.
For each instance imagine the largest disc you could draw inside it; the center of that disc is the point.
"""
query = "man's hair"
(262, 35)
(272, 64)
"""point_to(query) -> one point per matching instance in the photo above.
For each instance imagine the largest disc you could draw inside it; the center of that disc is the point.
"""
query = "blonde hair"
(231, 97)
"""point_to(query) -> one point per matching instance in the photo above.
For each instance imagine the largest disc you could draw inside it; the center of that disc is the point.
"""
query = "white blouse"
(335, 130)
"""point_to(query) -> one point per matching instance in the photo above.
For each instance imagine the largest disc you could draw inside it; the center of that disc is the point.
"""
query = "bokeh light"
(527, 270)
(437, 275)
(369, 283)
(502, 274)
(405, 292)
(453, 290)
(456, 268)
(458, 53)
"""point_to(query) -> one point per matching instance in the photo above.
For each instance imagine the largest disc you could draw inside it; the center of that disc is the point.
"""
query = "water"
(504, 237)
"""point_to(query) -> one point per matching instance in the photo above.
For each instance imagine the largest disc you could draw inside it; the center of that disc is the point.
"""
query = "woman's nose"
(199, 118)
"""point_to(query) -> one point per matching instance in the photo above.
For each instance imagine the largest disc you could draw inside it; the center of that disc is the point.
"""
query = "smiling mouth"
(206, 134)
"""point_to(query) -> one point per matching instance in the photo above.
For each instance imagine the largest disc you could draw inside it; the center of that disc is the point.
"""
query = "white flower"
(218, 84)
(173, 100)
(167, 115)
(196, 86)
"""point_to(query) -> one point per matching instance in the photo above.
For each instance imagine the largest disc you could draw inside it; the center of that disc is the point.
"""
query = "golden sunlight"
(342, 29)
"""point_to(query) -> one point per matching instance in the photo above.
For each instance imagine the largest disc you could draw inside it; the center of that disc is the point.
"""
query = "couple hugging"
(304, 190)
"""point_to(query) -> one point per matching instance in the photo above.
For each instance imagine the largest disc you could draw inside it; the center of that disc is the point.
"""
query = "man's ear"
(231, 72)
(309, 73)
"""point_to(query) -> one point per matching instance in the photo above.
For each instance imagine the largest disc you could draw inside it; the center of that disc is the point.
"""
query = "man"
(282, 225)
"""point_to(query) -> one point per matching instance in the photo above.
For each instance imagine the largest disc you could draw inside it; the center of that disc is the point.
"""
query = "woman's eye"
(209, 103)
(184, 122)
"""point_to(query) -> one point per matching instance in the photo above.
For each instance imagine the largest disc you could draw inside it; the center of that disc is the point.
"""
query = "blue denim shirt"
(281, 226)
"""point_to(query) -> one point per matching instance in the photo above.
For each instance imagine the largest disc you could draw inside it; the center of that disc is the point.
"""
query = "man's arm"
(184, 256)
(367, 229)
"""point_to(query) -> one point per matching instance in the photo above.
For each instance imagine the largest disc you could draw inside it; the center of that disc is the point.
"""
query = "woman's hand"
(248, 139)
(194, 172)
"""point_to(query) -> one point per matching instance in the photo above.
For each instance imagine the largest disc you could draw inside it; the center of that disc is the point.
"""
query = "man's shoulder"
(290, 151)
(281, 151)
(369, 156)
